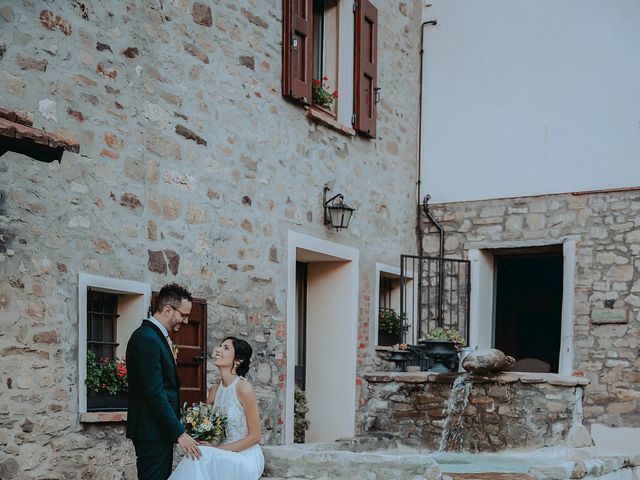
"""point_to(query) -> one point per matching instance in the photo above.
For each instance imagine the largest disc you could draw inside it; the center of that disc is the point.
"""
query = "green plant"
(445, 334)
(389, 322)
(320, 93)
(300, 421)
(106, 375)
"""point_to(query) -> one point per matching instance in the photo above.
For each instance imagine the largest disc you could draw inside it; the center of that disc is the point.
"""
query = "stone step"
(489, 476)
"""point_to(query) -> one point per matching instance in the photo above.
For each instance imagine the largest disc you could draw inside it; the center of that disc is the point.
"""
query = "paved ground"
(489, 476)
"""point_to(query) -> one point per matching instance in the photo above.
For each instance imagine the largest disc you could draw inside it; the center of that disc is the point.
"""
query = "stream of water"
(453, 427)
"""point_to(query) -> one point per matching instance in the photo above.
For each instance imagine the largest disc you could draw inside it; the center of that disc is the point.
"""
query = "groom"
(153, 419)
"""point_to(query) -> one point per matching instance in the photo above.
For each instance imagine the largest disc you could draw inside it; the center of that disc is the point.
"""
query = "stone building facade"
(599, 235)
(192, 168)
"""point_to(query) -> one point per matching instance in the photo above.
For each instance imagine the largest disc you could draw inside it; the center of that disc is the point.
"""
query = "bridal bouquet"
(203, 422)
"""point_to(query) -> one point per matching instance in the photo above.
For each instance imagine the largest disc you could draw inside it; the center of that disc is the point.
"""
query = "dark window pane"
(102, 312)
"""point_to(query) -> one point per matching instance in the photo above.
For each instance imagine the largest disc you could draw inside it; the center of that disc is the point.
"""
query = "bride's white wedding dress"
(217, 464)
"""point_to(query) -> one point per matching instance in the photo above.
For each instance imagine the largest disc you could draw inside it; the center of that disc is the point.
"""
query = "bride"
(239, 457)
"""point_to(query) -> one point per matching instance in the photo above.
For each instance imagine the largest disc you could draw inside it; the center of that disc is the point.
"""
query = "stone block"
(157, 262)
(201, 14)
(49, 337)
(609, 315)
(54, 22)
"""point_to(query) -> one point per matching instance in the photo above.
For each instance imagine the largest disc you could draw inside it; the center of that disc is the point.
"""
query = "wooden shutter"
(191, 342)
(366, 68)
(297, 45)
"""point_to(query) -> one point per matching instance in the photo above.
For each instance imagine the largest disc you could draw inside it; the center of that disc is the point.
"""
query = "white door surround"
(332, 324)
(481, 328)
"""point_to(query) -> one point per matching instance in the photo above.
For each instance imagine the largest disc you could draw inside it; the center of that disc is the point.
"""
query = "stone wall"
(606, 229)
(476, 413)
(192, 168)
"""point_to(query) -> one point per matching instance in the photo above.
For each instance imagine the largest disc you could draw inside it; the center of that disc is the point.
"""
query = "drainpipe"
(419, 231)
(419, 162)
(425, 205)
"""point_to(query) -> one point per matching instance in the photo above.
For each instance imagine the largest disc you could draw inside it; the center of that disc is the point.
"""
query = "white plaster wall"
(528, 98)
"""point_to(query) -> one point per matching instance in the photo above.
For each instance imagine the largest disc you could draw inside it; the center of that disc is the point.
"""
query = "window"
(109, 310)
(102, 313)
(330, 51)
(390, 328)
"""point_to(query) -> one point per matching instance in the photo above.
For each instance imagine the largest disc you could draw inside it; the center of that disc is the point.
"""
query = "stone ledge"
(503, 377)
(320, 116)
(103, 417)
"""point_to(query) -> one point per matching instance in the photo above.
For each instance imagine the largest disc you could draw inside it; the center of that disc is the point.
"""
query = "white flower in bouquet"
(203, 422)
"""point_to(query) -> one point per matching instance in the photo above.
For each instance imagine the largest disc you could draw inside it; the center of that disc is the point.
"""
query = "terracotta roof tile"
(15, 126)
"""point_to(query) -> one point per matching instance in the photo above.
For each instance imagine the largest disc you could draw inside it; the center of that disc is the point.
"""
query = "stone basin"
(476, 413)
(385, 458)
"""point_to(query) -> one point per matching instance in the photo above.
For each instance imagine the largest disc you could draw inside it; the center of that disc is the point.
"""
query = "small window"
(391, 328)
(110, 309)
(393, 324)
(325, 54)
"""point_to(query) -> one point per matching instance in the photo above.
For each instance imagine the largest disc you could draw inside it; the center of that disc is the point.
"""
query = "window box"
(105, 402)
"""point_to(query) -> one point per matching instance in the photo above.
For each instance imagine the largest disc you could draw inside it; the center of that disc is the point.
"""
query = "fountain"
(430, 426)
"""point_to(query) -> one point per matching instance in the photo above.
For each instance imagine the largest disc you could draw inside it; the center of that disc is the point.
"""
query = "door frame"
(340, 252)
(482, 302)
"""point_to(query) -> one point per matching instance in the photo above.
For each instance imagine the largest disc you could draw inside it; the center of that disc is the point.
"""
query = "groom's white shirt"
(159, 325)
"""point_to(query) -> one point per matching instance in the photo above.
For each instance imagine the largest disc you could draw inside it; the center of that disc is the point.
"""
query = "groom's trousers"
(153, 459)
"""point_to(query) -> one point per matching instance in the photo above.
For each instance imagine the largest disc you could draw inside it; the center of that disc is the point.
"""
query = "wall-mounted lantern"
(337, 213)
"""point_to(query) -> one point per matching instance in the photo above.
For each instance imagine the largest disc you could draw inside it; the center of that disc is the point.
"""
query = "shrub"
(300, 409)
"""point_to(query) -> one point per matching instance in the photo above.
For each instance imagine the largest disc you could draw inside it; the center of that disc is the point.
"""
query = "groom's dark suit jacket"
(154, 408)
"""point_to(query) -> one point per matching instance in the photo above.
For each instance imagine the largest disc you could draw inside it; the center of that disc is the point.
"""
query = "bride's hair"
(243, 352)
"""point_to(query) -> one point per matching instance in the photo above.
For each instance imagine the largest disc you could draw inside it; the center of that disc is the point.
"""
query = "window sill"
(103, 417)
(384, 348)
(318, 115)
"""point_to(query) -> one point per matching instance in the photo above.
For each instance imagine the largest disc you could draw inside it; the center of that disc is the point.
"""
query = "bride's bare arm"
(211, 396)
(247, 398)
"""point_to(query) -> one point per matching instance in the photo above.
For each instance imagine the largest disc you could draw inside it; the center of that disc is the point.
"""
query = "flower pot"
(104, 402)
(387, 339)
(443, 355)
(400, 358)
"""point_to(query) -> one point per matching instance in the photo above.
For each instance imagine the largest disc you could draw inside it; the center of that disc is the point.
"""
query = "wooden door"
(191, 342)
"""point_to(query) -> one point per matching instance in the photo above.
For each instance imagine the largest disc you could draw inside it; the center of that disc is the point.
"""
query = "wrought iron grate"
(435, 292)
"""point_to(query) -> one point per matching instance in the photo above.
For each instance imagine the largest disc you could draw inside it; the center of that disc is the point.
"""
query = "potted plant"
(106, 384)
(441, 346)
(321, 95)
(390, 327)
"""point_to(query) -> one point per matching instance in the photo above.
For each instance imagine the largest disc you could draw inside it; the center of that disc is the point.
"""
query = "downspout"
(425, 205)
(419, 231)
(419, 162)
